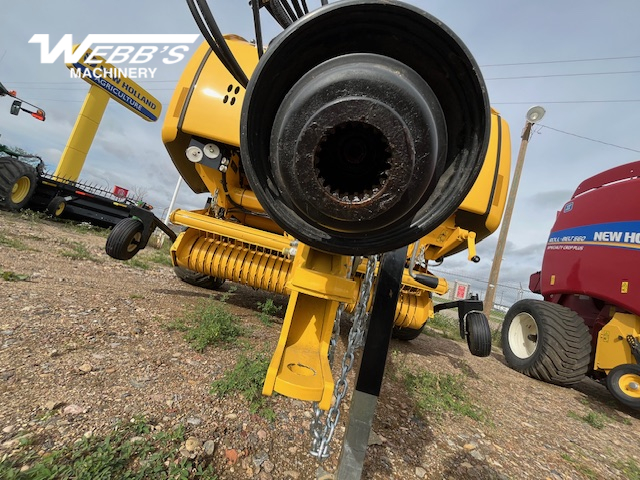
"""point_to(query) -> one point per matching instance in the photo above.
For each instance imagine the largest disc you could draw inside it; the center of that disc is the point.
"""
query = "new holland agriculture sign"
(96, 71)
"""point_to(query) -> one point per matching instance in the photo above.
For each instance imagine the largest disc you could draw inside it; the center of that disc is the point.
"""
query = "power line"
(563, 75)
(560, 61)
(587, 138)
(566, 101)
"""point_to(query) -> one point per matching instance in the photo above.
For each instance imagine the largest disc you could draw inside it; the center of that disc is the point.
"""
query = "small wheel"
(56, 206)
(125, 240)
(478, 334)
(18, 182)
(406, 334)
(198, 279)
(624, 384)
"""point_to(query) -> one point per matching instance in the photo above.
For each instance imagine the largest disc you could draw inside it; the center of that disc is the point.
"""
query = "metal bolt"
(222, 168)
(634, 386)
(194, 154)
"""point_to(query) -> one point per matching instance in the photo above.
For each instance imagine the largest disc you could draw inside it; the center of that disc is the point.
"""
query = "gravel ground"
(84, 343)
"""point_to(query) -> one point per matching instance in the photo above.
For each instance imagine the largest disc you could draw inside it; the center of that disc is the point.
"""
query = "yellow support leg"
(300, 367)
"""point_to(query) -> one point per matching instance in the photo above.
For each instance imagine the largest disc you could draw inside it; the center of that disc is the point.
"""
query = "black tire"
(547, 342)
(126, 239)
(407, 334)
(198, 279)
(624, 384)
(18, 181)
(57, 206)
(478, 334)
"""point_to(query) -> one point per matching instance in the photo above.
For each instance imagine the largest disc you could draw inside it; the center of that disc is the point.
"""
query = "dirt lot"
(84, 344)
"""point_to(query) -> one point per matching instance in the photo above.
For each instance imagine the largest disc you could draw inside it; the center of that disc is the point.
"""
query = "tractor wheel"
(478, 334)
(17, 183)
(624, 384)
(198, 279)
(57, 206)
(125, 239)
(546, 341)
(406, 334)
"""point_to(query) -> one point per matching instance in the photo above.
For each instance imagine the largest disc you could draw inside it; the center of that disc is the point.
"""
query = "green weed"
(595, 419)
(78, 251)
(444, 326)
(586, 471)
(496, 338)
(160, 257)
(630, 469)
(267, 310)
(440, 393)
(138, 263)
(247, 378)
(207, 323)
(117, 455)
(13, 277)
(13, 243)
(33, 216)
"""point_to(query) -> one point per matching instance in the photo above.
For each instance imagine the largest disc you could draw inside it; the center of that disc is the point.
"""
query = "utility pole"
(534, 114)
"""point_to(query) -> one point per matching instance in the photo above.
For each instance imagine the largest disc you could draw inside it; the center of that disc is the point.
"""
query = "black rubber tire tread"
(55, 204)
(407, 334)
(10, 171)
(121, 242)
(563, 352)
(198, 279)
(478, 334)
(613, 379)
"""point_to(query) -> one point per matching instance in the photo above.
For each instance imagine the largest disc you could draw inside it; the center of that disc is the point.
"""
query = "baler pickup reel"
(358, 132)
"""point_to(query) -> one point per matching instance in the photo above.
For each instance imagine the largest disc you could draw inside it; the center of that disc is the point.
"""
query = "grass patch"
(594, 419)
(247, 378)
(160, 257)
(86, 227)
(78, 251)
(630, 469)
(9, 276)
(131, 450)
(441, 393)
(496, 338)
(33, 216)
(267, 310)
(207, 323)
(136, 262)
(444, 326)
(13, 243)
(586, 471)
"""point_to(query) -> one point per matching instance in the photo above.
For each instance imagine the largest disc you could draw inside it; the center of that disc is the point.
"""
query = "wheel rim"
(59, 209)
(135, 241)
(20, 189)
(523, 335)
(629, 384)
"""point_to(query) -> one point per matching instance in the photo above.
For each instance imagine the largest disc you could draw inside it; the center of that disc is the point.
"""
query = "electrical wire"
(587, 138)
(560, 61)
(562, 75)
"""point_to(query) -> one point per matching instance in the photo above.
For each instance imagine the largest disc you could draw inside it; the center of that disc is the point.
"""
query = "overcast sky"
(578, 59)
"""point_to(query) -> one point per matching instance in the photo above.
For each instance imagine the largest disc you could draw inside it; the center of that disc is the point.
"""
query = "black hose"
(255, 6)
(210, 31)
(297, 8)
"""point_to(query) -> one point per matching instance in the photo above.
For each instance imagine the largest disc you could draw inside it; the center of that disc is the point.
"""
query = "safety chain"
(321, 435)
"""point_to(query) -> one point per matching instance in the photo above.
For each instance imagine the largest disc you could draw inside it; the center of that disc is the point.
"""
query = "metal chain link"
(321, 435)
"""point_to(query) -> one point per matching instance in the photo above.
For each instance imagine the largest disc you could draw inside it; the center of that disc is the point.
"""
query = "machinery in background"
(23, 179)
(589, 321)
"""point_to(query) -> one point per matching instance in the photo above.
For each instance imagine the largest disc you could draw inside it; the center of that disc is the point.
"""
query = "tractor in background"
(589, 320)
